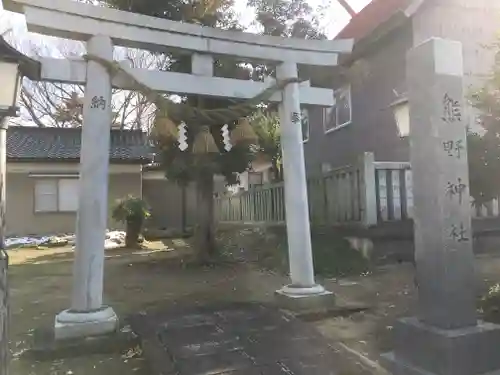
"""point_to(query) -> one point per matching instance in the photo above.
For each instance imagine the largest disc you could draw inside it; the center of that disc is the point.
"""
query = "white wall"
(265, 168)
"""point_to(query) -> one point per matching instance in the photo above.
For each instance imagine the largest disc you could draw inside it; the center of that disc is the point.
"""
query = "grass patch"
(489, 304)
(332, 254)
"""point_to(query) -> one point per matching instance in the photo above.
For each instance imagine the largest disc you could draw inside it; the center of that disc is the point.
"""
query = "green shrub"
(334, 257)
(133, 212)
(332, 254)
(489, 305)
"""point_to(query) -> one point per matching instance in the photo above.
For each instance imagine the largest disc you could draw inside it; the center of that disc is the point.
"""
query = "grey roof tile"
(59, 144)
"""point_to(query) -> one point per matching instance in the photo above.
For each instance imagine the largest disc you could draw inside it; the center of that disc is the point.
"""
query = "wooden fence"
(364, 193)
(394, 190)
(340, 196)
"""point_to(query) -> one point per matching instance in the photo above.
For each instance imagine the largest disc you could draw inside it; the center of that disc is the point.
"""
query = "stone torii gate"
(102, 29)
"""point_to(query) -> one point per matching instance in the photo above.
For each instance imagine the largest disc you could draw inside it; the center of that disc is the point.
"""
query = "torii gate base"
(289, 298)
(72, 324)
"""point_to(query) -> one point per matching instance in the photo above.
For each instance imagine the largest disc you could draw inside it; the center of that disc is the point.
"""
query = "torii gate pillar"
(87, 315)
(295, 295)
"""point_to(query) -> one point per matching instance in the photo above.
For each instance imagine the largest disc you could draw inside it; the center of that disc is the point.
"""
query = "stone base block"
(44, 346)
(421, 349)
(305, 299)
(70, 324)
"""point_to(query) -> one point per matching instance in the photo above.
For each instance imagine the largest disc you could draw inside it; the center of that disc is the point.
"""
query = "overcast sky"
(333, 21)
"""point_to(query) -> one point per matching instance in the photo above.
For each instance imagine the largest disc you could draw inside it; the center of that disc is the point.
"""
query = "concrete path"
(237, 339)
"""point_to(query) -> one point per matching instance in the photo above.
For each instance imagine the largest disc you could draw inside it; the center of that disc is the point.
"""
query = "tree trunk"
(275, 170)
(183, 208)
(4, 316)
(278, 173)
(132, 233)
(205, 233)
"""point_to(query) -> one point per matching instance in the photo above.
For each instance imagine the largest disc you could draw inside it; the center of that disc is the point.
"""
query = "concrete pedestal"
(70, 324)
(421, 349)
(301, 299)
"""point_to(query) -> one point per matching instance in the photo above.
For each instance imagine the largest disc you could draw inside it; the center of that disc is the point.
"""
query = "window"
(56, 195)
(304, 116)
(340, 114)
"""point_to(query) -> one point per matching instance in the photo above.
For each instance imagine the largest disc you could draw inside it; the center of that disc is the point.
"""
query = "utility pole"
(347, 7)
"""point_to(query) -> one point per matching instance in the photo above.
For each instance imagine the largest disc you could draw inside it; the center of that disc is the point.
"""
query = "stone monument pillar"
(87, 315)
(297, 209)
(445, 337)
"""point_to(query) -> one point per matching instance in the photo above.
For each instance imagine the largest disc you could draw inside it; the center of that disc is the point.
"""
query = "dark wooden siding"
(373, 127)
(164, 198)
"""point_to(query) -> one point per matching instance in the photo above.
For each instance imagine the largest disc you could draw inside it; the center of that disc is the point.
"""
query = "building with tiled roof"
(374, 75)
(42, 180)
(373, 15)
(34, 144)
(42, 176)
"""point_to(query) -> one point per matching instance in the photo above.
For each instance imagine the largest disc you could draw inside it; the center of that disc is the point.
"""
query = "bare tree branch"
(61, 105)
